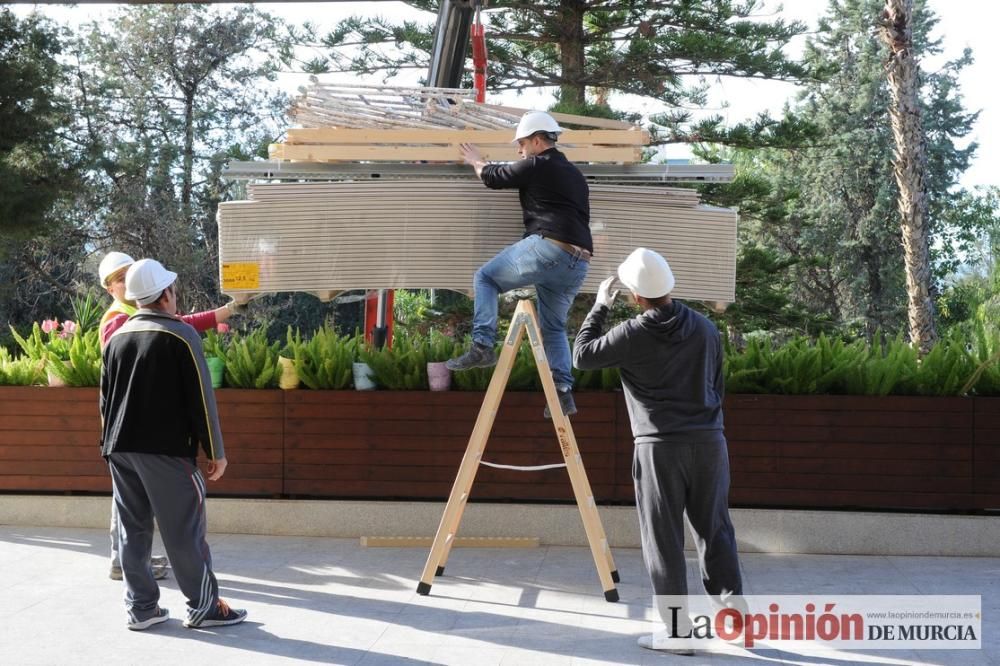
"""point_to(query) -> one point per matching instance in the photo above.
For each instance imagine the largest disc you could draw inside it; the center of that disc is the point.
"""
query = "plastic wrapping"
(324, 238)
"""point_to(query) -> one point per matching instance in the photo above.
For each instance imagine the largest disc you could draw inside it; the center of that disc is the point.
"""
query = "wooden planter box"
(852, 452)
(409, 444)
(50, 441)
(786, 451)
(986, 453)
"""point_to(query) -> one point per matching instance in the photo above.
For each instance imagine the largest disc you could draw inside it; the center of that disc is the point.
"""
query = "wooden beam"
(369, 153)
(330, 135)
(460, 542)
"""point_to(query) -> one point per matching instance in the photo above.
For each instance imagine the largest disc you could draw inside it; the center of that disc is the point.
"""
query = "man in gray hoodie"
(670, 360)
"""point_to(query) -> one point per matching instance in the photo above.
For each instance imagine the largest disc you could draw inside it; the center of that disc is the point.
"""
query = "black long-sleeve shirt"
(156, 393)
(555, 198)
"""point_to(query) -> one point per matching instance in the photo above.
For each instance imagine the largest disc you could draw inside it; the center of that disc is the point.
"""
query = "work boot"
(565, 401)
(478, 356)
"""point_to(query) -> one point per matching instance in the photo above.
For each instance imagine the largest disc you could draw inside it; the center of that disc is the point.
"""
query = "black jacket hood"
(670, 322)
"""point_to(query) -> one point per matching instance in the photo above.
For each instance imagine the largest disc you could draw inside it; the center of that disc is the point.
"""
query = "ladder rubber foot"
(615, 577)
(439, 572)
(611, 595)
(423, 588)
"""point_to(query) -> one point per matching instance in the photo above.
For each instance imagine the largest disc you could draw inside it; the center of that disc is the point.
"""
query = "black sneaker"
(565, 401)
(161, 615)
(478, 356)
(219, 616)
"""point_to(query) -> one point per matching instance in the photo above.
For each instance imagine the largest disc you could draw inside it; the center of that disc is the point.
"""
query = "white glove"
(236, 308)
(605, 296)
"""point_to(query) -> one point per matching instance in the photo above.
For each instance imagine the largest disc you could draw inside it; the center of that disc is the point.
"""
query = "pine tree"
(836, 203)
(588, 48)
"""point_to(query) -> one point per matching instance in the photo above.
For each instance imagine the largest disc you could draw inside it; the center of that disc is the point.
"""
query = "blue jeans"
(557, 277)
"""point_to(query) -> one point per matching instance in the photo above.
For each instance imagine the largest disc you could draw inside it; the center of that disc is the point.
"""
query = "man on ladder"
(553, 256)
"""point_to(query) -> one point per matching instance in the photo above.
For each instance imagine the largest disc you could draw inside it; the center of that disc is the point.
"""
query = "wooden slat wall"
(785, 451)
(253, 431)
(410, 444)
(851, 452)
(986, 455)
(50, 441)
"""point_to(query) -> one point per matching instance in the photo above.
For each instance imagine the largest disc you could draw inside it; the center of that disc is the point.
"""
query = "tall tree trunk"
(910, 165)
(188, 176)
(572, 91)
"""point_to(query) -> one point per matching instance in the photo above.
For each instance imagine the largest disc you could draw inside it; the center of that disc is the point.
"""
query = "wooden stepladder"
(524, 320)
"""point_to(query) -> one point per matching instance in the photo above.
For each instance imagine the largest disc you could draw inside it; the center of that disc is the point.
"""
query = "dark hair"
(659, 300)
(162, 294)
(551, 137)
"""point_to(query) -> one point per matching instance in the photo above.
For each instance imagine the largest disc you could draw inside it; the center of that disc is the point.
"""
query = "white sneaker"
(662, 641)
(160, 615)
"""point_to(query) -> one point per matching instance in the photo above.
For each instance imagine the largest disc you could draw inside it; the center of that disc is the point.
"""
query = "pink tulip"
(49, 325)
(69, 327)
(222, 327)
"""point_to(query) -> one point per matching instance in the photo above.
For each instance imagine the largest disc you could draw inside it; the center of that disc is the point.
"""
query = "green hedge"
(958, 365)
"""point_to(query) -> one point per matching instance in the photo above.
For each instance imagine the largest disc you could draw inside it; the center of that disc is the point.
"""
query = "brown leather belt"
(578, 252)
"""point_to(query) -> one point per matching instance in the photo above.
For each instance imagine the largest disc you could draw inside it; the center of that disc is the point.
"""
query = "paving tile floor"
(331, 601)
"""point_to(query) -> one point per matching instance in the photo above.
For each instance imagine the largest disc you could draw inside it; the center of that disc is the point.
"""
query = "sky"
(962, 23)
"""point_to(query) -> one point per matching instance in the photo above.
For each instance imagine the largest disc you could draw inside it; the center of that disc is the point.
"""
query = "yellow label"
(240, 276)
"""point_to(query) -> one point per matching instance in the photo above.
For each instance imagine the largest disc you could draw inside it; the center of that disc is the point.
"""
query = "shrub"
(251, 362)
(20, 371)
(324, 361)
(402, 367)
(83, 365)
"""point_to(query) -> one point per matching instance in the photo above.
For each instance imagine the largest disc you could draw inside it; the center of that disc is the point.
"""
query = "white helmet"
(647, 274)
(145, 281)
(111, 264)
(536, 121)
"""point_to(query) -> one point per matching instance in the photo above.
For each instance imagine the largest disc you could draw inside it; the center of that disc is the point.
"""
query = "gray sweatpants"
(173, 490)
(672, 479)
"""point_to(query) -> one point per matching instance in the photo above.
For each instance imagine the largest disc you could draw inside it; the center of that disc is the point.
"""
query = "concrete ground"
(331, 601)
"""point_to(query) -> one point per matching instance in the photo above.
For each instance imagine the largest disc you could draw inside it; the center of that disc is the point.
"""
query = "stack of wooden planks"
(391, 124)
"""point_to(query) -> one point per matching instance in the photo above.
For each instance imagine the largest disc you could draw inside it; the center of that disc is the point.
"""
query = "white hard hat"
(536, 121)
(647, 274)
(145, 281)
(111, 264)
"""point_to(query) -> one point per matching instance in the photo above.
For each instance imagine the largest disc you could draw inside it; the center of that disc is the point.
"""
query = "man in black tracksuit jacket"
(670, 360)
(157, 408)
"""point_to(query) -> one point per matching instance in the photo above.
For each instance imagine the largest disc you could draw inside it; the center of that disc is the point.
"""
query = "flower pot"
(289, 378)
(54, 379)
(363, 379)
(438, 376)
(217, 368)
